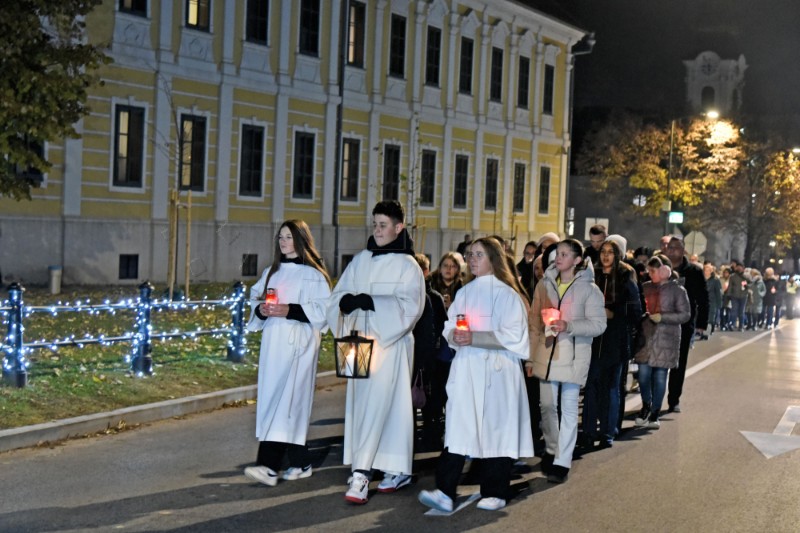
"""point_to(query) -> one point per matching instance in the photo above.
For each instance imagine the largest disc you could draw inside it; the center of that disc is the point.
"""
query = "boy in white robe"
(382, 287)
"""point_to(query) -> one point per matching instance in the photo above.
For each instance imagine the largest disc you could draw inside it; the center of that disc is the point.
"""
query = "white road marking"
(781, 439)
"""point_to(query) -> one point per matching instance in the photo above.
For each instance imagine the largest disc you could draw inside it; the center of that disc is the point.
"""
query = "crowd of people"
(503, 350)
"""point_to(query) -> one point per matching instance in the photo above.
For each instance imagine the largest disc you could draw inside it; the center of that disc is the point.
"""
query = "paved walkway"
(699, 472)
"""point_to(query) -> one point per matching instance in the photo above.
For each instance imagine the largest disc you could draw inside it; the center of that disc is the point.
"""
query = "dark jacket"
(693, 280)
(668, 299)
(622, 299)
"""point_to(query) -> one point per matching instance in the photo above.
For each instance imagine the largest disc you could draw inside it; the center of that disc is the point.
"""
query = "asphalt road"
(697, 473)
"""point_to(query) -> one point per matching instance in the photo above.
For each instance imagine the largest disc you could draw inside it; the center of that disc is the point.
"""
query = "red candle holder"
(550, 315)
(461, 322)
(271, 296)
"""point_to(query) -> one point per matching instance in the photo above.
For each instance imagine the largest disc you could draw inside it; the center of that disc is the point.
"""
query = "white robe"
(379, 422)
(487, 403)
(289, 352)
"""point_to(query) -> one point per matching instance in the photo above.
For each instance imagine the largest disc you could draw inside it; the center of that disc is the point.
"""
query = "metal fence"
(15, 350)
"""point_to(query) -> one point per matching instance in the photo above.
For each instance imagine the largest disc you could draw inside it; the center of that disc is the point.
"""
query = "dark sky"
(641, 44)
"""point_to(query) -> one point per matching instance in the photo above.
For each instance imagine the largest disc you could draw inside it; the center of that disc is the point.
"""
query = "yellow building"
(457, 108)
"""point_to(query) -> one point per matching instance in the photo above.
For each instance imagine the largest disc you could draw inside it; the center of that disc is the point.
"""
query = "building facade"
(459, 109)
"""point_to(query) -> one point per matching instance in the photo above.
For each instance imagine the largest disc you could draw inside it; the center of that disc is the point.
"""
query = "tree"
(629, 153)
(47, 68)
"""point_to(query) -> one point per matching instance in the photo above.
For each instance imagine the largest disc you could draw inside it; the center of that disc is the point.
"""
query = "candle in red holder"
(550, 315)
(461, 322)
(271, 297)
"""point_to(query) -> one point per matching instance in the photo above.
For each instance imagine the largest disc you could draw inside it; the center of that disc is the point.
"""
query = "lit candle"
(550, 315)
(272, 296)
(350, 361)
(461, 322)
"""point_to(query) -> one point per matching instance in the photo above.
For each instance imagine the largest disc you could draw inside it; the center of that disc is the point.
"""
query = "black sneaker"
(641, 417)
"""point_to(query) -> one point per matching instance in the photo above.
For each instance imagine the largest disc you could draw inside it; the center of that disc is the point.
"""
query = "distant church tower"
(714, 83)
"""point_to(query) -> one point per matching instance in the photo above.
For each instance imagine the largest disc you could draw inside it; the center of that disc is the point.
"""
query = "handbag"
(418, 396)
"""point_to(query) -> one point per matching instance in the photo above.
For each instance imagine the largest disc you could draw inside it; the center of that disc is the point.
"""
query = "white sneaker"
(359, 488)
(262, 474)
(491, 504)
(393, 482)
(296, 472)
(436, 499)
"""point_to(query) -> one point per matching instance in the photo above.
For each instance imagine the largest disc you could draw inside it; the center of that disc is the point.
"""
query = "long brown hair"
(303, 246)
(620, 273)
(500, 269)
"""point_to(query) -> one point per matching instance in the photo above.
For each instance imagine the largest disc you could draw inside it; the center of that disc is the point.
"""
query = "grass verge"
(74, 381)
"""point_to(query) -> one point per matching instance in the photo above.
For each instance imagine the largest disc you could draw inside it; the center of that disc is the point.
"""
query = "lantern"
(271, 297)
(353, 354)
(461, 322)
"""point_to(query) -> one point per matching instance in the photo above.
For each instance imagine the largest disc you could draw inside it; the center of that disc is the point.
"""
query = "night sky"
(641, 44)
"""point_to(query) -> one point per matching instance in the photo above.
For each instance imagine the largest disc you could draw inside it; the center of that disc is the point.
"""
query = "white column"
(565, 135)
(331, 106)
(511, 93)
(165, 53)
(377, 72)
(451, 83)
(285, 44)
(485, 59)
(536, 107)
(417, 75)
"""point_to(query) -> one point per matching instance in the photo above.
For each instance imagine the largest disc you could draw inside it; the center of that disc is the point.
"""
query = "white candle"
(350, 362)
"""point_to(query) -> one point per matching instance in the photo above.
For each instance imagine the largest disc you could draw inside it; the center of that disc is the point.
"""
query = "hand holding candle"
(462, 336)
(271, 297)
(552, 321)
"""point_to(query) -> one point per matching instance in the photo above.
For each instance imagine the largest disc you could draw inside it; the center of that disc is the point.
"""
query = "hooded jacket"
(670, 300)
(566, 357)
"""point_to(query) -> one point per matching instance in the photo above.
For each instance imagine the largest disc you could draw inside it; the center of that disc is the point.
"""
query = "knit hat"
(620, 241)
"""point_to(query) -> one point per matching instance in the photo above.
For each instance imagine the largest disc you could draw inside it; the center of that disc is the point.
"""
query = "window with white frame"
(356, 30)
(433, 53)
(309, 28)
(193, 152)
(496, 79)
(251, 164)
(465, 66)
(257, 25)
(198, 14)
(134, 7)
(544, 190)
(397, 47)
(427, 187)
(523, 82)
(519, 188)
(391, 172)
(490, 194)
(128, 146)
(304, 151)
(350, 169)
(549, 87)
(460, 182)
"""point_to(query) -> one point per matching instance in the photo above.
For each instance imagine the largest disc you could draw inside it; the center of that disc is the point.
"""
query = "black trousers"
(677, 375)
(494, 474)
(532, 386)
(270, 454)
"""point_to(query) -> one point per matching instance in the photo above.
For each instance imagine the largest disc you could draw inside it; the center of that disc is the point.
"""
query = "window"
(356, 28)
(427, 178)
(193, 152)
(128, 146)
(523, 82)
(30, 174)
(544, 190)
(257, 21)
(250, 265)
(460, 182)
(490, 195)
(391, 172)
(496, 82)
(397, 47)
(433, 54)
(465, 70)
(309, 27)
(303, 185)
(197, 14)
(252, 160)
(549, 81)
(519, 188)
(350, 166)
(128, 266)
(134, 7)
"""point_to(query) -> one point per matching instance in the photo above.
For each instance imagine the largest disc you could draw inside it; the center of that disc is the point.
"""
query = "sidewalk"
(26, 436)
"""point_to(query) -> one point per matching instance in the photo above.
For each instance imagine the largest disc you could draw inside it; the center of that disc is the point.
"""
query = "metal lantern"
(353, 355)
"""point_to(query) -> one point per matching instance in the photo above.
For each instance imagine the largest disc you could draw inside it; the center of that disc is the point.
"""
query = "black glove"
(351, 302)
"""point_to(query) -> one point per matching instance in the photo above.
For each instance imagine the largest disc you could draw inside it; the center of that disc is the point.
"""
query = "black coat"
(693, 280)
(614, 345)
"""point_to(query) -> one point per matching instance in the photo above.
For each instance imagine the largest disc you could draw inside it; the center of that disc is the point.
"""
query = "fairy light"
(15, 352)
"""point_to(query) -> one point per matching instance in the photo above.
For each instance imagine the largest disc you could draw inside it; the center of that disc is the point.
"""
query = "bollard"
(141, 359)
(236, 343)
(15, 365)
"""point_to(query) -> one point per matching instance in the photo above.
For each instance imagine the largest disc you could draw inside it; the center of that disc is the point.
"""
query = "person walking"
(667, 309)
(737, 292)
(487, 412)
(714, 288)
(756, 292)
(772, 299)
(383, 287)
(692, 279)
(561, 349)
(601, 398)
(288, 308)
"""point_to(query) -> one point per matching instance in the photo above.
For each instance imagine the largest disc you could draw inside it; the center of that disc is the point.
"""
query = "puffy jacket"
(566, 357)
(662, 349)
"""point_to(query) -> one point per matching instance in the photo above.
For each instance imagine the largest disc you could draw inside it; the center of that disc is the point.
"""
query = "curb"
(35, 435)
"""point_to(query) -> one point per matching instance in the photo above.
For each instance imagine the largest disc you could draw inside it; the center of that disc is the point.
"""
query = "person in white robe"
(288, 306)
(381, 294)
(487, 404)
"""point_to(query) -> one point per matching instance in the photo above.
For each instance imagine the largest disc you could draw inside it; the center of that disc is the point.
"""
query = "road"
(697, 473)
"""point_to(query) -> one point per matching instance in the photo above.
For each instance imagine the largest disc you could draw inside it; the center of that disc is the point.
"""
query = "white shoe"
(491, 504)
(262, 474)
(296, 472)
(436, 499)
(393, 482)
(359, 489)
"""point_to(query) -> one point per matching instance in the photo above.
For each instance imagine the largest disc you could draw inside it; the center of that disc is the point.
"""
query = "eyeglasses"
(477, 255)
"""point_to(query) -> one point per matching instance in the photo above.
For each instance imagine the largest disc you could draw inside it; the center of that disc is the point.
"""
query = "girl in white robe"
(291, 321)
(487, 405)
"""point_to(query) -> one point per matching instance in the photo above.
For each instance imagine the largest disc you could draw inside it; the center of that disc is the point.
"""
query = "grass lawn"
(73, 381)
